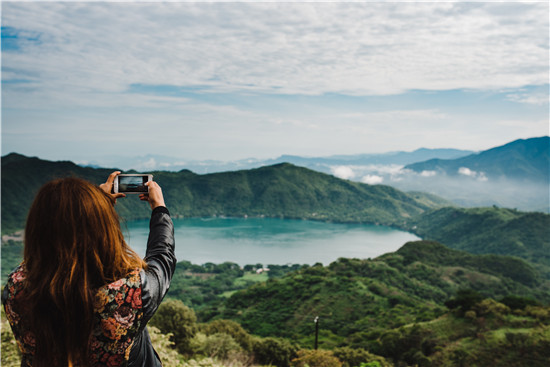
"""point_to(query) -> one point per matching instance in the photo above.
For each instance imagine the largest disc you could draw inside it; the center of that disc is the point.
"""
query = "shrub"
(316, 358)
(541, 313)
(464, 301)
(230, 328)
(219, 346)
(273, 351)
(518, 303)
(491, 307)
(179, 320)
(359, 357)
(164, 348)
(10, 351)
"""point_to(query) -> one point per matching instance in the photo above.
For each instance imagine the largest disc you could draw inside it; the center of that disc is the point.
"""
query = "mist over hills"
(521, 160)
(159, 162)
(514, 175)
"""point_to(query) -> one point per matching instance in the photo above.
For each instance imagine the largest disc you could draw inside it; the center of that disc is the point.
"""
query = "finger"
(111, 177)
(119, 195)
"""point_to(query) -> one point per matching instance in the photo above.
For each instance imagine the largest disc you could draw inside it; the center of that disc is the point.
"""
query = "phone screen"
(132, 183)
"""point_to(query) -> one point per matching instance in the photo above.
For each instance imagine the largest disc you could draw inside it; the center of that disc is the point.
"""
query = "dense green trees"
(352, 295)
(489, 231)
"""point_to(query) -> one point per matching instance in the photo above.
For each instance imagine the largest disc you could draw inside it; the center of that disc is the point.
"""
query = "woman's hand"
(107, 187)
(154, 197)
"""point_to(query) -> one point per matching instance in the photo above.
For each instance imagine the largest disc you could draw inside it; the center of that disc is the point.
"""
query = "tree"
(316, 358)
(231, 328)
(464, 301)
(179, 320)
(273, 351)
(218, 345)
(359, 357)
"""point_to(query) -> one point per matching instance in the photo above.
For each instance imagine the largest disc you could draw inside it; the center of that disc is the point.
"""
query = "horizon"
(259, 160)
(235, 81)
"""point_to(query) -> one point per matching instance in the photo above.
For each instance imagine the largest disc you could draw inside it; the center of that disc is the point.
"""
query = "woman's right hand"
(154, 197)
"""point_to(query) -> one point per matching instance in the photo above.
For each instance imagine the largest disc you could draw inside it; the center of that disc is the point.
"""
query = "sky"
(233, 80)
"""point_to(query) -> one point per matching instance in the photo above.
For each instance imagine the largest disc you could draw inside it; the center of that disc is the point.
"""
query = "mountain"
(523, 160)
(489, 230)
(390, 158)
(22, 177)
(323, 164)
(281, 190)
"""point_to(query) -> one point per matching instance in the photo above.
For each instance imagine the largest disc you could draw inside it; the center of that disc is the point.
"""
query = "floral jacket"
(122, 308)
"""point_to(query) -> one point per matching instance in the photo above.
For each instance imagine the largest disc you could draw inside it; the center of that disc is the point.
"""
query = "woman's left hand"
(107, 187)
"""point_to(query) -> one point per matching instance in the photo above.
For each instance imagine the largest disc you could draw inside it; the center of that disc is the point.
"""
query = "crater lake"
(271, 241)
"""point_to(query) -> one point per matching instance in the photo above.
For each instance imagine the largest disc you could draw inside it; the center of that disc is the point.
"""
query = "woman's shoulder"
(18, 274)
(124, 290)
(131, 280)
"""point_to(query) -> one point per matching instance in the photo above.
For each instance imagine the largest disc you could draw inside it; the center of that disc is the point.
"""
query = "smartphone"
(132, 183)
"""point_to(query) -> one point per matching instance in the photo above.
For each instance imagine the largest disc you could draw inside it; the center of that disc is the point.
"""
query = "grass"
(251, 277)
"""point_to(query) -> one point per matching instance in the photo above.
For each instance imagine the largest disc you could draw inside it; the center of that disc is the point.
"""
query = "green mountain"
(282, 190)
(489, 231)
(523, 160)
(22, 177)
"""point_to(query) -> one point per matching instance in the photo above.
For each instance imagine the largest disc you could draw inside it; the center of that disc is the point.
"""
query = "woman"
(82, 296)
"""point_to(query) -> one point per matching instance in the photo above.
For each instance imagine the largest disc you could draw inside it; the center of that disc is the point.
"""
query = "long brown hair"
(73, 246)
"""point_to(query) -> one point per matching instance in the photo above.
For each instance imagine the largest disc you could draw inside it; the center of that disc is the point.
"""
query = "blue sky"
(193, 80)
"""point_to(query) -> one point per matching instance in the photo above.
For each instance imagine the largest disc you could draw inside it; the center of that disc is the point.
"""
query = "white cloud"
(427, 173)
(304, 48)
(372, 179)
(465, 171)
(533, 99)
(175, 77)
(344, 172)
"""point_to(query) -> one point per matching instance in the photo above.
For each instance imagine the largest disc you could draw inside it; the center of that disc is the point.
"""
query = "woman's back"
(81, 295)
(117, 319)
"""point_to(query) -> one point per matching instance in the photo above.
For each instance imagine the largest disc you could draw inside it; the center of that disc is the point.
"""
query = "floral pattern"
(118, 315)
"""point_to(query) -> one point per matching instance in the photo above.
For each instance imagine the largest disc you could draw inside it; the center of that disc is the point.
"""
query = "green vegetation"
(393, 290)
(12, 254)
(205, 287)
(424, 305)
(489, 231)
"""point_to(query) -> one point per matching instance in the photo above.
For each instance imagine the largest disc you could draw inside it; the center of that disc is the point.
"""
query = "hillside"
(523, 160)
(282, 190)
(424, 305)
(355, 298)
(489, 230)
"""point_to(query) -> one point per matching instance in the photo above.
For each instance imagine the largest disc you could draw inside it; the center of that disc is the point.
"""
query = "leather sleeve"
(161, 261)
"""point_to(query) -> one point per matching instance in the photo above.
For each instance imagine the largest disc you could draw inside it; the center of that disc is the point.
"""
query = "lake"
(271, 241)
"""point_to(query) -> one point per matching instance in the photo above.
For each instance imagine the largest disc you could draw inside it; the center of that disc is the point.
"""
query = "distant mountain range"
(514, 175)
(158, 162)
(521, 160)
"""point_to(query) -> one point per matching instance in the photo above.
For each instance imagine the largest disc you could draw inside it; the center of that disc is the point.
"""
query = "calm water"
(271, 241)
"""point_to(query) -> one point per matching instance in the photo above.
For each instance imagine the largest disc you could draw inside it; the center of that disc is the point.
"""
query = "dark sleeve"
(161, 261)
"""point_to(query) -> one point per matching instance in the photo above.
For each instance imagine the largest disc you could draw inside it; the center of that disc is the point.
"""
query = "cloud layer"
(355, 48)
(84, 68)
